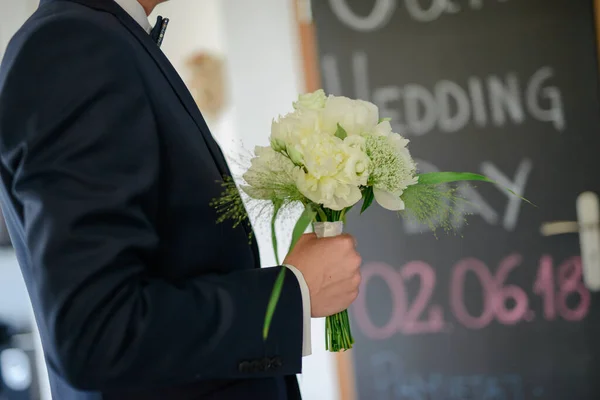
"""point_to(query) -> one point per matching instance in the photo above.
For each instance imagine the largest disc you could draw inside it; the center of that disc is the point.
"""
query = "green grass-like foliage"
(230, 205)
(437, 206)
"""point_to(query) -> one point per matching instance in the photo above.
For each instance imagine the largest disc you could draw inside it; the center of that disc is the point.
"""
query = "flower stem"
(322, 215)
(338, 335)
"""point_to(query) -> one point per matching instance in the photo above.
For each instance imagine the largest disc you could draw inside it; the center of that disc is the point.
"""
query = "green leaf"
(368, 197)
(273, 300)
(341, 132)
(277, 207)
(301, 225)
(307, 217)
(437, 178)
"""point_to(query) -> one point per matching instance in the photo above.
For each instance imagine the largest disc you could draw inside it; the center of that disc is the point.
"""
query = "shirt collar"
(137, 12)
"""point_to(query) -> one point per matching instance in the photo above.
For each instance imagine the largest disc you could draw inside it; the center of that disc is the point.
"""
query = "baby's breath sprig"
(230, 205)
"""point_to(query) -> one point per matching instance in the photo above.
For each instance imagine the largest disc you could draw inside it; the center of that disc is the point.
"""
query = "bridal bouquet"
(327, 155)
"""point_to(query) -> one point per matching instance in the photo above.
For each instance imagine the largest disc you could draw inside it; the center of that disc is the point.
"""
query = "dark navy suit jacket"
(108, 170)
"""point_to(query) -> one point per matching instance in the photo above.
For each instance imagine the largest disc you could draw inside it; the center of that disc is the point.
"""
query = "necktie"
(158, 32)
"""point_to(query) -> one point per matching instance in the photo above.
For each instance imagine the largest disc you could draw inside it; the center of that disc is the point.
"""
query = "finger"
(349, 237)
(350, 240)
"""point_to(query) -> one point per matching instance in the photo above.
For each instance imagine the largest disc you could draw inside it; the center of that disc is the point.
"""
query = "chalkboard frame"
(307, 42)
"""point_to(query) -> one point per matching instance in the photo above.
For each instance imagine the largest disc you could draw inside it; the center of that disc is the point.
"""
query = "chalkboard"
(505, 88)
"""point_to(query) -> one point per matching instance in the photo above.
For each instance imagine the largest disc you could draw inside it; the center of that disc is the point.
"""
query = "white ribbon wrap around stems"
(328, 229)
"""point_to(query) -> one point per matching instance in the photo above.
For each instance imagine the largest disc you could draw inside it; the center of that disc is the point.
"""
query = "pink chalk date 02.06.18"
(560, 289)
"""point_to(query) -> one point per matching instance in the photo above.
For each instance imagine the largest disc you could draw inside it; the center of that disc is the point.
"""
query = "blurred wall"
(196, 26)
(12, 15)
(15, 307)
(14, 303)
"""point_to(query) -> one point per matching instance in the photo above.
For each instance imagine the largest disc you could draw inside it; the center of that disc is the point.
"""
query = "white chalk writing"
(449, 106)
(419, 10)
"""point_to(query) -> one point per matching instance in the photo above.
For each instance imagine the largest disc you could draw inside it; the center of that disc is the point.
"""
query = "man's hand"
(331, 270)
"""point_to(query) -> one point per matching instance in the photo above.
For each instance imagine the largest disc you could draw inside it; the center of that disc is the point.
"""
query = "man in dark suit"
(108, 170)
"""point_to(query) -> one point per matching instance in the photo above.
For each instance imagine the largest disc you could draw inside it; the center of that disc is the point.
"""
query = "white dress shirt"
(137, 12)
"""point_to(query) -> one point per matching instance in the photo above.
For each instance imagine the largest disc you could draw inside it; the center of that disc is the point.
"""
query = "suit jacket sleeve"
(81, 145)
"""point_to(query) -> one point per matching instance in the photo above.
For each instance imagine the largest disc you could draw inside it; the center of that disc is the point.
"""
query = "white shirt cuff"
(306, 344)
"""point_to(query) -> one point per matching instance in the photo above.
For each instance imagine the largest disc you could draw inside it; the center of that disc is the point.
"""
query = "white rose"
(327, 191)
(355, 116)
(356, 143)
(311, 101)
(356, 168)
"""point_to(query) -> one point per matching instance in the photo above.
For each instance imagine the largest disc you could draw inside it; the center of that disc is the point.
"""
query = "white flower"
(266, 161)
(293, 128)
(268, 171)
(398, 141)
(384, 128)
(279, 135)
(329, 169)
(392, 169)
(295, 153)
(356, 168)
(328, 191)
(357, 162)
(389, 201)
(311, 101)
(332, 171)
(356, 143)
(324, 155)
(355, 116)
